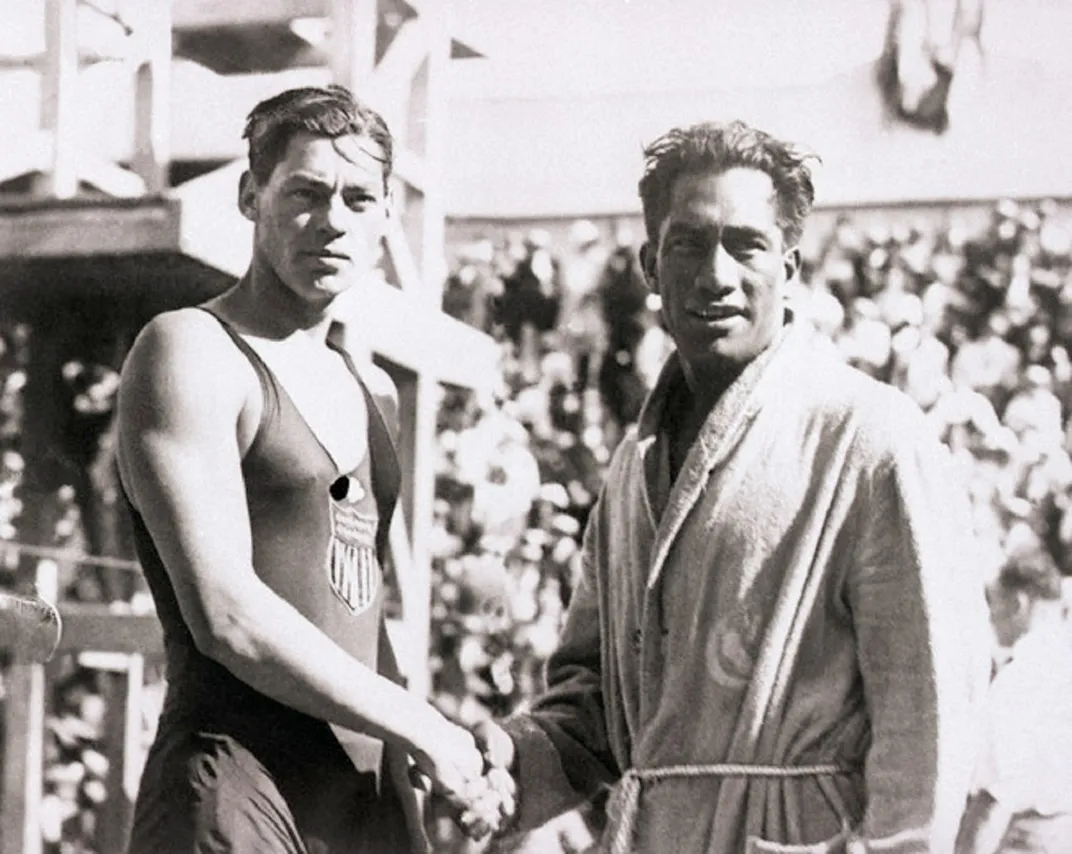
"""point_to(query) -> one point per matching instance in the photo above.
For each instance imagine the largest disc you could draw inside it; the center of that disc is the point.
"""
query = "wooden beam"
(401, 553)
(391, 79)
(410, 167)
(101, 628)
(421, 399)
(108, 177)
(402, 257)
(407, 636)
(24, 742)
(152, 97)
(60, 82)
(29, 62)
(429, 87)
(123, 692)
(205, 14)
(88, 228)
(404, 329)
(24, 720)
(353, 44)
(36, 152)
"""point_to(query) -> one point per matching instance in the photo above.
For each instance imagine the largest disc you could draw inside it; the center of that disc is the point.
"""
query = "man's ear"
(649, 264)
(791, 259)
(247, 196)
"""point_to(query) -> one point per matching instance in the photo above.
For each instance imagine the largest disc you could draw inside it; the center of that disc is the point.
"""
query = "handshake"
(472, 775)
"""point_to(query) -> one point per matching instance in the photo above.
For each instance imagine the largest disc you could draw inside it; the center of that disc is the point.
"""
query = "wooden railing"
(107, 638)
(121, 642)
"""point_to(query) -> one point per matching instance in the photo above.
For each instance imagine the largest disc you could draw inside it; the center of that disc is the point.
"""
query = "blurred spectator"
(625, 312)
(532, 292)
(473, 285)
(867, 342)
(1023, 801)
(581, 321)
(989, 364)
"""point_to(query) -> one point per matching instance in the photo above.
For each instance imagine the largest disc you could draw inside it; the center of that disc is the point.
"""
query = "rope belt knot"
(625, 802)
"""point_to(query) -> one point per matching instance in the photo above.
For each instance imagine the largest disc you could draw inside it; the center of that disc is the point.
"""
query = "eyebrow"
(305, 178)
(734, 231)
(320, 183)
(744, 231)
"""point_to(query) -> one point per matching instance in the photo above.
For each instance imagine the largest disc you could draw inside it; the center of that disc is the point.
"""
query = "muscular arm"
(920, 620)
(184, 413)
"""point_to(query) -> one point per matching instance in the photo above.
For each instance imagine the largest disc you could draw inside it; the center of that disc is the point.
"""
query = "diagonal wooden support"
(353, 42)
(108, 177)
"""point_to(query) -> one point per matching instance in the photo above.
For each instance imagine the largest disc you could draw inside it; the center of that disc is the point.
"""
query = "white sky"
(563, 48)
(553, 118)
(555, 48)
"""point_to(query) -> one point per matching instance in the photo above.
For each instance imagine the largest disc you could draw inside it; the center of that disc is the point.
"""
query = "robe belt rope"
(625, 802)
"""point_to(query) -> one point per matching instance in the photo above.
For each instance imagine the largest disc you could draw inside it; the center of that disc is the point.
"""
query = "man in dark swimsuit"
(259, 466)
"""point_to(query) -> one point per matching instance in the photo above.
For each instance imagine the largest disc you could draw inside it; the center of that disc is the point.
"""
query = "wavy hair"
(714, 146)
(329, 111)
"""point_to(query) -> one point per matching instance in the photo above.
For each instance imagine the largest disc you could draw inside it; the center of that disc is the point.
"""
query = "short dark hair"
(1034, 573)
(329, 111)
(721, 146)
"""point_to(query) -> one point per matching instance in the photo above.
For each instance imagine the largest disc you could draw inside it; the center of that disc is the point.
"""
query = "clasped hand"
(470, 773)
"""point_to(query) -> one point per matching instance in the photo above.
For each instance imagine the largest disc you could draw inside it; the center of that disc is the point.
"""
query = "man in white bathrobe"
(780, 639)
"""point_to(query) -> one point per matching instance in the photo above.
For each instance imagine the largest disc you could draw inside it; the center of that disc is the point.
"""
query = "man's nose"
(333, 216)
(721, 272)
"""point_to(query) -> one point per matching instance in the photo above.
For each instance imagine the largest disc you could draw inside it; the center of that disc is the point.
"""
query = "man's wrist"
(420, 725)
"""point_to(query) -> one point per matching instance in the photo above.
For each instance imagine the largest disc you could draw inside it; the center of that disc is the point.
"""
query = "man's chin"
(726, 351)
(334, 285)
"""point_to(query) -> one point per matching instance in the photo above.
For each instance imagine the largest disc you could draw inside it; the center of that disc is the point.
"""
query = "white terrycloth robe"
(804, 592)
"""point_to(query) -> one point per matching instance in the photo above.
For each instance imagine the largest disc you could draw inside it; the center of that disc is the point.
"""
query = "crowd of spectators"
(977, 328)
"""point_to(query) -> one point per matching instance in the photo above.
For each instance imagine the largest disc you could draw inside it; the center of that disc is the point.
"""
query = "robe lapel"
(732, 414)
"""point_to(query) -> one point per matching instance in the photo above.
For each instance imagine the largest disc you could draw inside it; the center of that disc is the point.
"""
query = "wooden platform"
(88, 225)
(182, 249)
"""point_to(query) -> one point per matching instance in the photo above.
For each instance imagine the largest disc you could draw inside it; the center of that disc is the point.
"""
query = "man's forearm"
(270, 646)
(554, 774)
(562, 743)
